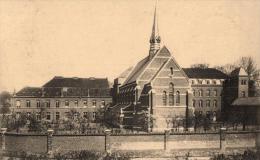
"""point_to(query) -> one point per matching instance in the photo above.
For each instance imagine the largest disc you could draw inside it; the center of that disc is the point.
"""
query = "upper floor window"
(171, 96)
(193, 103)
(103, 103)
(214, 82)
(208, 93)
(38, 116)
(171, 70)
(94, 115)
(200, 103)
(200, 93)
(200, 81)
(85, 103)
(194, 93)
(38, 104)
(208, 103)
(57, 115)
(243, 82)
(94, 103)
(57, 104)
(215, 93)
(192, 82)
(18, 103)
(215, 103)
(28, 103)
(208, 82)
(76, 103)
(164, 98)
(48, 115)
(178, 98)
(48, 104)
(67, 103)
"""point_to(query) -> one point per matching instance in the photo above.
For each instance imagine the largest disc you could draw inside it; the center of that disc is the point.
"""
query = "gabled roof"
(126, 72)
(247, 101)
(30, 91)
(141, 65)
(78, 82)
(238, 72)
(204, 73)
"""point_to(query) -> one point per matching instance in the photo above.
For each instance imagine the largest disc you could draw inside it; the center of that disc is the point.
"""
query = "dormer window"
(208, 82)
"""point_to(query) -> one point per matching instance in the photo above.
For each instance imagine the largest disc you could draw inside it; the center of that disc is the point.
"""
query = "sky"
(40, 39)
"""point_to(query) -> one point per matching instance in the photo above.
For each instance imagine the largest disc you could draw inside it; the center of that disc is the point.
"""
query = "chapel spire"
(155, 38)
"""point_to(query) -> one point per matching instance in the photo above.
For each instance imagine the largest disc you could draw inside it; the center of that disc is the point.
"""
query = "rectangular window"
(38, 116)
(57, 104)
(193, 103)
(200, 103)
(48, 104)
(48, 116)
(38, 104)
(215, 103)
(76, 103)
(18, 103)
(94, 103)
(208, 103)
(208, 93)
(57, 116)
(94, 115)
(215, 93)
(85, 103)
(28, 103)
(67, 103)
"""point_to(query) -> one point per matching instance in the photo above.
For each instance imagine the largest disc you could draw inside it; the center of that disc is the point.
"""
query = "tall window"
(28, 103)
(57, 116)
(164, 98)
(94, 115)
(38, 116)
(38, 104)
(103, 103)
(76, 103)
(200, 93)
(200, 103)
(208, 103)
(94, 103)
(48, 115)
(67, 103)
(215, 93)
(194, 93)
(208, 82)
(178, 98)
(171, 96)
(47, 104)
(18, 103)
(171, 70)
(208, 93)
(57, 104)
(243, 94)
(215, 103)
(193, 103)
(243, 82)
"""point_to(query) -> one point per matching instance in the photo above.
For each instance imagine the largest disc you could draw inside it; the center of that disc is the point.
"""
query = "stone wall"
(50, 143)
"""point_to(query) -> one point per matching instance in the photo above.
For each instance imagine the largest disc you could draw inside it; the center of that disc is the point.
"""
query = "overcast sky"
(76, 38)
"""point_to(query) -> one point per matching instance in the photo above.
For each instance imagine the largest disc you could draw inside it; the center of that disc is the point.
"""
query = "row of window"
(57, 103)
(171, 98)
(206, 103)
(204, 82)
(243, 82)
(208, 93)
(57, 115)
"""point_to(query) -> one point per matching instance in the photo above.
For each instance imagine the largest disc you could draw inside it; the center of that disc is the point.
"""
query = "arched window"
(171, 95)
(215, 93)
(178, 98)
(208, 103)
(200, 103)
(164, 98)
(193, 103)
(194, 93)
(208, 93)
(200, 93)
(215, 103)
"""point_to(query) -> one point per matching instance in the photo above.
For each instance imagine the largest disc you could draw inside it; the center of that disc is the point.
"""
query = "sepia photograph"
(130, 79)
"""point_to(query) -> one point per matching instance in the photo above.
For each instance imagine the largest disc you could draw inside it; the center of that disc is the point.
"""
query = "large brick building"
(60, 95)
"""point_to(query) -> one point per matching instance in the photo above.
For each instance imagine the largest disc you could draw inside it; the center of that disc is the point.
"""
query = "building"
(60, 95)
(207, 88)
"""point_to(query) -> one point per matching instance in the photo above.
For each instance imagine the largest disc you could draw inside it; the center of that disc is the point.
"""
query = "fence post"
(166, 137)
(49, 142)
(3, 130)
(107, 140)
(222, 139)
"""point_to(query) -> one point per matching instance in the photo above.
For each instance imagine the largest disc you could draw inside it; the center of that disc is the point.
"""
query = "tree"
(249, 66)
(5, 102)
(227, 68)
(200, 65)
(36, 125)
(17, 121)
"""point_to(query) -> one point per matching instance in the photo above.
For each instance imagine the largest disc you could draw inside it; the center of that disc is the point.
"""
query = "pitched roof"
(210, 73)
(30, 91)
(238, 72)
(78, 82)
(247, 101)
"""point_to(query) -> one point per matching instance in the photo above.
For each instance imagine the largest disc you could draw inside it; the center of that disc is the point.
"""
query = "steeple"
(155, 38)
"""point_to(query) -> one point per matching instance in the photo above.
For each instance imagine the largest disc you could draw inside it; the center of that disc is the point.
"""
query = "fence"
(49, 143)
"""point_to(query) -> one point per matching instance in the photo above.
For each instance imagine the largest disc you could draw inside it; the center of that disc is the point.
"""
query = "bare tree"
(249, 66)
(227, 68)
(200, 65)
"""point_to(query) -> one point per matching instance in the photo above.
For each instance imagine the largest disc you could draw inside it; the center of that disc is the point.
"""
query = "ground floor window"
(48, 116)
